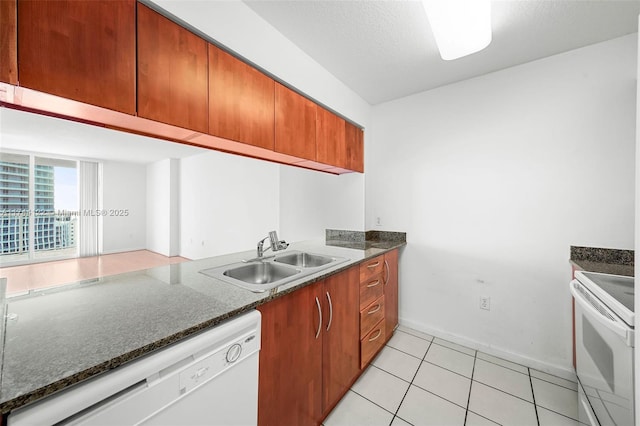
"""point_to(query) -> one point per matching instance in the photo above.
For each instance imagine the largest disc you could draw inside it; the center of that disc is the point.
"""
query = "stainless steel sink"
(304, 260)
(264, 274)
(260, 273)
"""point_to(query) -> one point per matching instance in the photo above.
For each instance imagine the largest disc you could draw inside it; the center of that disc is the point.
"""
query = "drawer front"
(371, 343)
(371, 267)
(371, 315)
(370, 290)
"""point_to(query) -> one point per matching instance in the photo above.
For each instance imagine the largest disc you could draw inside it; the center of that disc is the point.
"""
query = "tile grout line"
(410, 383)
(535, 406)
(473, 369)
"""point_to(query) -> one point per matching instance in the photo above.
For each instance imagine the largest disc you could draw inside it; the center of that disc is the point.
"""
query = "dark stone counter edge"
(59, 385)
(602, 255)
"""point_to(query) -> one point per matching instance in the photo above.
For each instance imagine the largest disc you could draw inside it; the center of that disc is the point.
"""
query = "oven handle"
(588, 306)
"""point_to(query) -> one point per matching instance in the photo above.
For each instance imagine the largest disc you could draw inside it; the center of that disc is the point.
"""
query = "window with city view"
(39, 205)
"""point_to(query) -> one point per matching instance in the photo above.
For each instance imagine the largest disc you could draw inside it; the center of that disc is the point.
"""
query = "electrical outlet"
(378, 221)
(485, 303)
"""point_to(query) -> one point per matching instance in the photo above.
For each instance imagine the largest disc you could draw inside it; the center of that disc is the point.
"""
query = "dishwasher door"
(208, 379)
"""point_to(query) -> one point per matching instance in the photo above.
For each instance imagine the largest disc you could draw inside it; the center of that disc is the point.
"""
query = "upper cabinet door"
(79, 49)
(295, 124)
(354, 145)
(8, 41)
(241, 101)
(172, 73)
(330, 139)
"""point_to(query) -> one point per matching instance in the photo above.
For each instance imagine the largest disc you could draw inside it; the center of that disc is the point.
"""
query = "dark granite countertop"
(63, 335)
(603, 260)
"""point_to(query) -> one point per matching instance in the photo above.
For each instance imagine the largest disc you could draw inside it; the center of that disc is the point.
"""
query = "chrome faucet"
(275, 244)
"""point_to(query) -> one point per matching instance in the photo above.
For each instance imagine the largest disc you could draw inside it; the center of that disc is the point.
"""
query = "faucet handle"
(273, 236)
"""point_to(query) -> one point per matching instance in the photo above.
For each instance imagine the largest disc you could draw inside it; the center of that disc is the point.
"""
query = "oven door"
(604, 361)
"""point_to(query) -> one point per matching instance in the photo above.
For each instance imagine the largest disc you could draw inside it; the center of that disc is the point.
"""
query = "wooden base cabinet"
(310, 351)
(391, 291)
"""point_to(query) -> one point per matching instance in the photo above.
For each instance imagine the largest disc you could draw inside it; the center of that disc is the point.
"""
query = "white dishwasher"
(208, 379)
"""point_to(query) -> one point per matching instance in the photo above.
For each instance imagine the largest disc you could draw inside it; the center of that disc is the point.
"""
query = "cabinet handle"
(386, 264)
(373, 265)
(320, 318)
(373, 283)
(377, 335)
(330, 311)
(373, 311)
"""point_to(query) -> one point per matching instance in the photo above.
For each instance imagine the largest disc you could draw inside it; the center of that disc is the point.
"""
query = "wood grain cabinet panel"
(290, 376)
(79, 49)
(172, 73)
(310, 352)
(391, 291)
(330, 139)
(354, 146)
(295, 124)
(341, 345)
(241, 101)
(8, 41)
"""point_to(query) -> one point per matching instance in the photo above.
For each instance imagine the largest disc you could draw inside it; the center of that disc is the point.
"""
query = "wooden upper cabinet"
(354, 146)
(295, 124)
(79, 49)
(330, 139)
(241, 101)
(172, 73)
(8, 41)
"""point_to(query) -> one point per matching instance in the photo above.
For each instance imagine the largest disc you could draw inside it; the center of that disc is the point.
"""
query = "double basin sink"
(260, 275)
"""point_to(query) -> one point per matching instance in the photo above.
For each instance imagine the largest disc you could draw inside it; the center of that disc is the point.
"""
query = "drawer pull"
(388, 273)
(373, 265)
(373, 311)
(377, 335)
(319, 318)
(330, 311)
(373, 283)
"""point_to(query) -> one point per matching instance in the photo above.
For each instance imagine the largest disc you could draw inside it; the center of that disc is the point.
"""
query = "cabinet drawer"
(371, 315)
(370, 343)
(370, 290)
(371, 267)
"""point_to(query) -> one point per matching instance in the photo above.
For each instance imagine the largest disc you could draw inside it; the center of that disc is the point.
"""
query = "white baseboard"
(123, 250)
(554, 369)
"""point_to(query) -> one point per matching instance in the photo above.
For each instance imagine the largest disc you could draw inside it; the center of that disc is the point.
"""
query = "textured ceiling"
(384, 50)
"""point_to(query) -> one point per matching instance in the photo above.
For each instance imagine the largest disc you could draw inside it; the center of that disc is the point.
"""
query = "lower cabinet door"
(290, 378)
(341, 346)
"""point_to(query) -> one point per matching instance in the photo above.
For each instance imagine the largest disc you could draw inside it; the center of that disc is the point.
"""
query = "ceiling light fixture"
(460, 27)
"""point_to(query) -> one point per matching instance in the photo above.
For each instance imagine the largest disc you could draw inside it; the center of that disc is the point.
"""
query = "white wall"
(163, 207)
(124, 188)
(311, 202)
(493, 179)
(227, 203)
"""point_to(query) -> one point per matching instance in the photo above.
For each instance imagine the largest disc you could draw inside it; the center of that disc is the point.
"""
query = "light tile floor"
(421, 380)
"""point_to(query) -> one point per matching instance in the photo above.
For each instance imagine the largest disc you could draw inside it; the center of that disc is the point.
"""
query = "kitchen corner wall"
(493, 179)
(124, 233)
(163, 198)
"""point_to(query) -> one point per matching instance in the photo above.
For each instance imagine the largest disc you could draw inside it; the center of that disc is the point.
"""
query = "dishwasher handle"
(599, 312)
